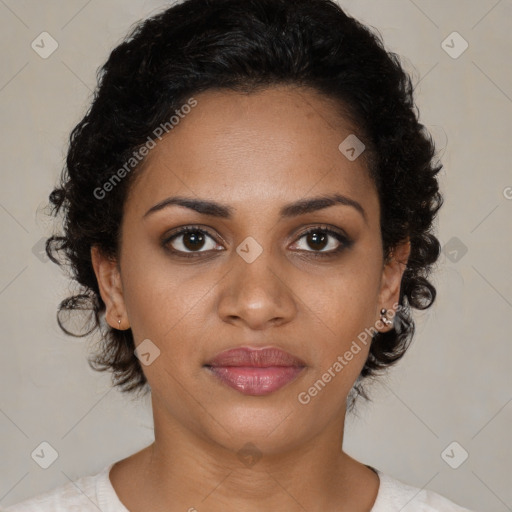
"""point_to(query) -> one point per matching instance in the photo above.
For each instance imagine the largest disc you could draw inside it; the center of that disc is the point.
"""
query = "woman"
(248, 206)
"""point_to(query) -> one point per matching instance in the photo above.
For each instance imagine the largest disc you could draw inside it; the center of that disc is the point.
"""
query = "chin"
(270, 428)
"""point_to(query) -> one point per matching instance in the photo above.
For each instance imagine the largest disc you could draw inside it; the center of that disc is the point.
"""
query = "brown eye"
(324, 241)
(317, 240)
(190, 240)
(193, 240)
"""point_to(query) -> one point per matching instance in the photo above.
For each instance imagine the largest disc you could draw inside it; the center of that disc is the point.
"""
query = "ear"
(392, 273)
(111, 290)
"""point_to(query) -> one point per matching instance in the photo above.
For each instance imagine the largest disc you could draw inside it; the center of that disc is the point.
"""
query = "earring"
(119, 324)
(384, 318)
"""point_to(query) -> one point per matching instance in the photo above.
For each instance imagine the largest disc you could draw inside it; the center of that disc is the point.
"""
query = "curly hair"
(245, 46)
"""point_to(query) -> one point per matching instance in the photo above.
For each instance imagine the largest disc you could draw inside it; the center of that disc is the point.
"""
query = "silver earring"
(119, 324)
(384, 318)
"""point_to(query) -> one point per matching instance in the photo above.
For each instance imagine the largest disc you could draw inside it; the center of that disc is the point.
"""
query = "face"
(262, 267)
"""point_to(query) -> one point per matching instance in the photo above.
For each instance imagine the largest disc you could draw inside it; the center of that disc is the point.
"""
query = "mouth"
(255, 371)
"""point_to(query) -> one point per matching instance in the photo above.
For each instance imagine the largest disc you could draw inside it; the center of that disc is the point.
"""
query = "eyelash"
(345, 243)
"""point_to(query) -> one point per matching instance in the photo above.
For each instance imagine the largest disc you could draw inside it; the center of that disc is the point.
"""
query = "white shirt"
(95, 492)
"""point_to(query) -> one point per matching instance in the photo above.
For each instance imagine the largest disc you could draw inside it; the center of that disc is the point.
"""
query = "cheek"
(168, 309)
(346, 301)
(343, 310)
(166, 303)
(341, 345)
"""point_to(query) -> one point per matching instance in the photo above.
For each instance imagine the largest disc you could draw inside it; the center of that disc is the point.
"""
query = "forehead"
(256, 150)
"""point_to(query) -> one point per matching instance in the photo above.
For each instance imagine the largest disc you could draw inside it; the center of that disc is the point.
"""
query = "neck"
(185, 471)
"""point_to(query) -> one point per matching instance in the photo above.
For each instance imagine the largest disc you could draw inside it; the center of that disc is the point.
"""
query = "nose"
(256, 294)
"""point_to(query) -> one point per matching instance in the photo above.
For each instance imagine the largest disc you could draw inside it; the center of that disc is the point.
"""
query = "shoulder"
(84, 494)
(395, 495)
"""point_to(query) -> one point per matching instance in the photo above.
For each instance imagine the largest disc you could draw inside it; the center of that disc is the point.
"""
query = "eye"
(192, 241)
(325, 241)
(189, 240)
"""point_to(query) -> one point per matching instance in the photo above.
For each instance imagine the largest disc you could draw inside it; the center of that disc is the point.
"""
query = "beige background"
(455, 382)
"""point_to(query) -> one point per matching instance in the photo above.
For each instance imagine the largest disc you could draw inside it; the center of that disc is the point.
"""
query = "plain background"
(454, 384)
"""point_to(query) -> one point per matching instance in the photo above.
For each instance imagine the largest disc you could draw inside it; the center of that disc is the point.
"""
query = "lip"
(255, 371)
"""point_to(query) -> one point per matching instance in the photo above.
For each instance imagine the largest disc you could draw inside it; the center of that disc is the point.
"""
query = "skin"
(254, 153)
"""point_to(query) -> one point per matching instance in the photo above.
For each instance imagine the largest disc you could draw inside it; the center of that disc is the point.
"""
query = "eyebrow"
(295, 209)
